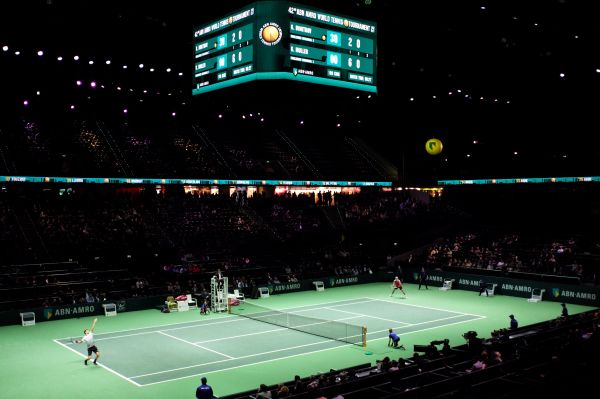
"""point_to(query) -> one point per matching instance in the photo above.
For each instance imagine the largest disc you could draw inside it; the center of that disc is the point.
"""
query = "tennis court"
(198, 348)
(148, 354)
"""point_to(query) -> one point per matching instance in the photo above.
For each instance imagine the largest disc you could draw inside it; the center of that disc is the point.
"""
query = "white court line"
(269, 331)
(241, 357)
(191, 343)
(425, 307)
(329, 303)
(425, 329)
(209, 322)
(280, 358)
(371, 317)
(99, 364)
(245, 365)
(234, 319)
(323, 306)
(159, 326)
(443, 318)
(204, 323)
(285, 357)
(424, 322)
(247, 356)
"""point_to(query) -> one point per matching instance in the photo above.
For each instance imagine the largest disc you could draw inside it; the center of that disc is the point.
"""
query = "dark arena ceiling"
(510, 87)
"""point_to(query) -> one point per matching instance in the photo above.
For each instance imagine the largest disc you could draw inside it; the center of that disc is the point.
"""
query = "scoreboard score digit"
(328, 46)
(280, 40)
(224, 49)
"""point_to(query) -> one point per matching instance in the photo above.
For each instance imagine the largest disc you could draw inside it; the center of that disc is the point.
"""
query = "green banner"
(557, 292)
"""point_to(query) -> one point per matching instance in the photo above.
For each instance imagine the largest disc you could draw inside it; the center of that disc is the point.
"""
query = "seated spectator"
(263, 392)
(481, 362)
(283, 391)
(496, 358)
(446, 349)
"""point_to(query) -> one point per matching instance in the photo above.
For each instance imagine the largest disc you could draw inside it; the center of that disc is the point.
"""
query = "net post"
(364, 336)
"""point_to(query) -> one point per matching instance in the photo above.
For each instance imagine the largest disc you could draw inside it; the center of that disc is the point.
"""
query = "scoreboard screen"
(280, 40)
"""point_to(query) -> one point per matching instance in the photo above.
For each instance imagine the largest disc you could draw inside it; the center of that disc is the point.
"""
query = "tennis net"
(330, 329)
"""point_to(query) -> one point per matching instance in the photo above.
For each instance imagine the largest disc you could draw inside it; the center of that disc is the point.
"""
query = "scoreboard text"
(280, 40)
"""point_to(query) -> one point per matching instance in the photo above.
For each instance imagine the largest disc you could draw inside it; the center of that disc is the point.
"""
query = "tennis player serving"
(397, 285)
(88, 338)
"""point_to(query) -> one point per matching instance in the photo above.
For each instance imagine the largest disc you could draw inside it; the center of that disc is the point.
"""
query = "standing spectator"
(514, 324)
(423, 278)
(564, 312)
(298, 385)
(204, 391)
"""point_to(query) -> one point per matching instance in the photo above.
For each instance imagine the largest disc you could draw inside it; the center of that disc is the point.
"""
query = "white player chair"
(490, 291)
(110, 309)
(447, 285)
(238, 295)
(536, 295)
(28, 319)
(192, 302)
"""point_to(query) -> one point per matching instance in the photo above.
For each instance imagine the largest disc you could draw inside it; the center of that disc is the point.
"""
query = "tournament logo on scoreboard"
(270, 34)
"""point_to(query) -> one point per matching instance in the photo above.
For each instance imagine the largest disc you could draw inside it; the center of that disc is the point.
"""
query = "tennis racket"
(74, 340)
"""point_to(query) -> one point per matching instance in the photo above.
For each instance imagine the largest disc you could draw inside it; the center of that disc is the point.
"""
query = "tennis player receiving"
(88, 338)
(397, 285)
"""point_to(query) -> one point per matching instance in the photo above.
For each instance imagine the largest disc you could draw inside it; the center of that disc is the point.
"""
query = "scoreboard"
(280, 40)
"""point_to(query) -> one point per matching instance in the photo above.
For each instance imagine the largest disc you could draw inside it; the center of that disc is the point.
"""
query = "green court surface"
(148, 354)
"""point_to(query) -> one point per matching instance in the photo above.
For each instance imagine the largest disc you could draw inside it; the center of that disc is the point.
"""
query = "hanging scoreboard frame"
(280, 40)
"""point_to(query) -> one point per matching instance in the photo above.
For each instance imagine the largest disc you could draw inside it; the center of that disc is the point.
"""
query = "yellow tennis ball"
(433, 146)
